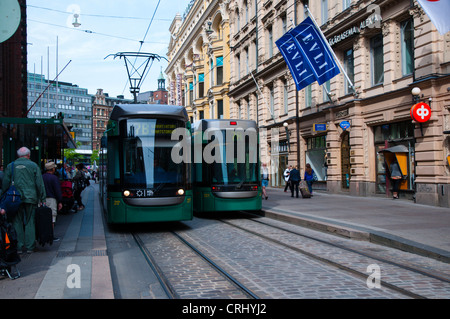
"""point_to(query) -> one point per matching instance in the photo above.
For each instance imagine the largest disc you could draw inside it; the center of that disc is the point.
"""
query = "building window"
(324, 10)
(407, 38)
(285, 96)
(346, 4)
(349, 66)
(246, 11)
(219, 67)
(201, 85)
(271, 101)
(247, 102)
(246, 61)
(270, 41)
(220, 109)
(308, 96)
(238, 67)
(284, 24)
(326, 88)
(191, 93)
(377, 57)
(211, 72)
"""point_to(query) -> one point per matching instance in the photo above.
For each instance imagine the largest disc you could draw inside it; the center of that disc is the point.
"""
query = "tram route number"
(254, 309)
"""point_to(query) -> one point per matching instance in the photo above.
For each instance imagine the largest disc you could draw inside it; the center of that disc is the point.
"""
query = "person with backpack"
(28, 180)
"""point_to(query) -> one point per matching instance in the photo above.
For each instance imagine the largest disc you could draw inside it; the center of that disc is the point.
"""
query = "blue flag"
(307, 55)
(301, 72)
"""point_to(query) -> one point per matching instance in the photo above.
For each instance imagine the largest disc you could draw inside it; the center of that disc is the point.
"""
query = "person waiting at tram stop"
(29, 182)
(53, 191)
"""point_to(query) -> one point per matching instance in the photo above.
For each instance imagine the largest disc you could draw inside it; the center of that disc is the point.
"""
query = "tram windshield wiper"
(240, 183)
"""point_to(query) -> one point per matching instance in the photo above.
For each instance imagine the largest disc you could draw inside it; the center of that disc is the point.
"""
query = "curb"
(359, 233)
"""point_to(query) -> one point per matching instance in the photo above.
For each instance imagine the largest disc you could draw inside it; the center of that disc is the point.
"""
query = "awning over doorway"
(396, 149)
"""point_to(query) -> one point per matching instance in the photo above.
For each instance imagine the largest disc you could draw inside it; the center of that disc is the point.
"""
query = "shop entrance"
(387, 137)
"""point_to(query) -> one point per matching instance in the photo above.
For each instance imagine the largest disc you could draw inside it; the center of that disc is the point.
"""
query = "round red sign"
(420, 112)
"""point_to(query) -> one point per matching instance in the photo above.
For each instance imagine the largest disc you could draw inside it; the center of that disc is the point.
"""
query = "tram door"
(345, 161)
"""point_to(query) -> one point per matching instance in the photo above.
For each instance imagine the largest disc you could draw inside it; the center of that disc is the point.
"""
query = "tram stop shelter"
(46, 138)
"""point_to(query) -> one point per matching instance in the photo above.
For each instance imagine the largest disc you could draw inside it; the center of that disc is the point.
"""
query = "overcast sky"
(107, 27)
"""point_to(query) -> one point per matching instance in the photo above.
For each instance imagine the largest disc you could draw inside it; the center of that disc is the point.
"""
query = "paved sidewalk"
(402, 224)
(76, 267)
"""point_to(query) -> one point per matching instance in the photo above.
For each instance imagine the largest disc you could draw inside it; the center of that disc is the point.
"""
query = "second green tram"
(226, 166)
(139, 181)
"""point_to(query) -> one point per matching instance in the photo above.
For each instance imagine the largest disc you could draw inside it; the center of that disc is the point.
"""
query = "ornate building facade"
(350, 128)
(199, 60)
(341, 128)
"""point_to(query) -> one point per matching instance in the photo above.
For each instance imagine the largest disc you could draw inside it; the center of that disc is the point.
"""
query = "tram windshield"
(147, 147)
(239, 167)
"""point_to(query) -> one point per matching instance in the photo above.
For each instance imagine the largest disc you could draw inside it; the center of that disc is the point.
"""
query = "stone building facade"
(387, 48)
(198, 71)
(348, 127)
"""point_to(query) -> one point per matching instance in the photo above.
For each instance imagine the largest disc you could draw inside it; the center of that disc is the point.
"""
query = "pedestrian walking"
(396, 177)
(264, 180)
(53, 191)
(286, 177)
(29, 182)
(294, 179)
(310, 177)
(79, 181)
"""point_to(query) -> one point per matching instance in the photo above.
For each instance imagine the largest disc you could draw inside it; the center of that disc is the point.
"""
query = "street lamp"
(416, 94)
(75, 22)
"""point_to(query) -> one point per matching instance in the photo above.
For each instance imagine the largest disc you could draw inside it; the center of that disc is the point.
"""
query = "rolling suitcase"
(304, 190)
(44, 225)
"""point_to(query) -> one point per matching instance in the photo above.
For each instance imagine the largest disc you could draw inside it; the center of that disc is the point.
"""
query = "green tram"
(226, 166)
(139, 181)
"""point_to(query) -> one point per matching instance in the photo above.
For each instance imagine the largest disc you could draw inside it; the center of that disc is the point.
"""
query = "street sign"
(420, 112)
(344, 125)
(320, 127)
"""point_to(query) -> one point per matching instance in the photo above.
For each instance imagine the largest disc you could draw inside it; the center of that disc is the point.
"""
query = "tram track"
(439, 278)
(165, 281)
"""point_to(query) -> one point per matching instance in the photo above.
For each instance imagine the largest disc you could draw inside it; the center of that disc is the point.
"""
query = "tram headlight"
(180, 192)
(126, 193)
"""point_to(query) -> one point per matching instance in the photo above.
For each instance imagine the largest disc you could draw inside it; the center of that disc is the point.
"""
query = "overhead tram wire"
(91, 32)
(140, 47)
(95, 15)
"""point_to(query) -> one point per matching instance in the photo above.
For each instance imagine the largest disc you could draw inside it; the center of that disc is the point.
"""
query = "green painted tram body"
(139, 181)
(118, 212)
(219, 192)
(206, 201)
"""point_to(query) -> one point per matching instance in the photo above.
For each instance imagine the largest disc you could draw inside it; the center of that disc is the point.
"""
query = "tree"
(72, 156)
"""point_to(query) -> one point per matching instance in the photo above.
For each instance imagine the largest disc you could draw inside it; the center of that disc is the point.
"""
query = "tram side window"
(113, 161)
